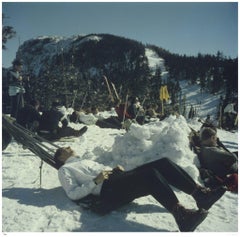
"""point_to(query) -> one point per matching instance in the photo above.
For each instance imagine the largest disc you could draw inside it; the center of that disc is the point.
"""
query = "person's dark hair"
(34, 102)
(206, 133)
(17, 62)
(57, 156)
(65, 122)
(56, 102)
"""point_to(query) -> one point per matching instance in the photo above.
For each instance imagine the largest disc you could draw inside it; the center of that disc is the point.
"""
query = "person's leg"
(18, 103)
(14, 106)
(68, 132)
(126, 187)
(174, 174)
(180, 179)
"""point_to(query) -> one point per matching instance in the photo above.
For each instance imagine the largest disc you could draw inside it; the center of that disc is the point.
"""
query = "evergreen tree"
(8, 32)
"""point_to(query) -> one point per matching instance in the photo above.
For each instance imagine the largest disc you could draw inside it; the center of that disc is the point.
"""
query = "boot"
(81, 131)
(186, 219)
(206, 197)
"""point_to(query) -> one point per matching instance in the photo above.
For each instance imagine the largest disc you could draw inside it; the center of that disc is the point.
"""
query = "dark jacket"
(219, 161)
(120, 112)
(50, 119)
(27, 115)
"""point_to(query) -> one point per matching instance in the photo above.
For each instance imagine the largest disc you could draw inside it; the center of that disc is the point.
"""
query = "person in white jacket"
(116, 187)
(230, 108)
(230, 115)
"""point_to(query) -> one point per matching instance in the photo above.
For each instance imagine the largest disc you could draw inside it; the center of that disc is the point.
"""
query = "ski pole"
(125, 110)
(40, 167)
(115, 91)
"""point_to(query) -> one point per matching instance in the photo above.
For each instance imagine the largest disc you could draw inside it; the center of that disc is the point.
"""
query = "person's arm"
(102, 176)
(73, 190)
(36, 115)
(227, 158)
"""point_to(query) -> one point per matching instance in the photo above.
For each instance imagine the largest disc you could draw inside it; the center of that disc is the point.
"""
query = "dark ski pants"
(153, 179)
(17, 102)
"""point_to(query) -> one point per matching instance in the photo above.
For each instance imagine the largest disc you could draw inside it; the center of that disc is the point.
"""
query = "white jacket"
(76, 177)
(230, 109)
(14, 90)
(88, 119)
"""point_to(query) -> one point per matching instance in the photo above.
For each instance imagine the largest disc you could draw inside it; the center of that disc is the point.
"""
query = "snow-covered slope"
(155, 62)
(203, 102)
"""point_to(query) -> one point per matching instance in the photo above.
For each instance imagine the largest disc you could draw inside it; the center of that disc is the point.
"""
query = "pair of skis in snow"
(110, 91)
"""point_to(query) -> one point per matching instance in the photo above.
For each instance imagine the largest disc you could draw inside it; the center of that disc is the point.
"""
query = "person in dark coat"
(16, 88)
(55, 122)
(51, 118)
(29, 116)
(116, 187)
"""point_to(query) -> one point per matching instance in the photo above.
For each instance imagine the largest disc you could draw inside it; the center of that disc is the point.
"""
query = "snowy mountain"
(27, 207)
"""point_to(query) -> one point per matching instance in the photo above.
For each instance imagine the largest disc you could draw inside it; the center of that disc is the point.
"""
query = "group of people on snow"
(51, 124)
(111, 188)
(115, 187)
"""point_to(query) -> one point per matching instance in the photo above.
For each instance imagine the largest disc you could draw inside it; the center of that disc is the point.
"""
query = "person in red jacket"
(122, 112)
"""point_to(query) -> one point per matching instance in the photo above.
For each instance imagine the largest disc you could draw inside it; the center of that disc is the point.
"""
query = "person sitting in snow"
(136, 110)
(51, 119)
(29, 116)
(121, 110)
(91, 119)
(113, 188)
(214, 157)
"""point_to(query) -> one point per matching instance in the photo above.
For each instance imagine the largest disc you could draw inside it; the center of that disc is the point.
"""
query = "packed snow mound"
(167, 138)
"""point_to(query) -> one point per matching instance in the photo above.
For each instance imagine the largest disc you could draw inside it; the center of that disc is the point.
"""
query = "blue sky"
(180, 27)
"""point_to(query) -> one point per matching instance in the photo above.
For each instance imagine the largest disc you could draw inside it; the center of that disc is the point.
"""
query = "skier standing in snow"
(16, 88)
(116, 187)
